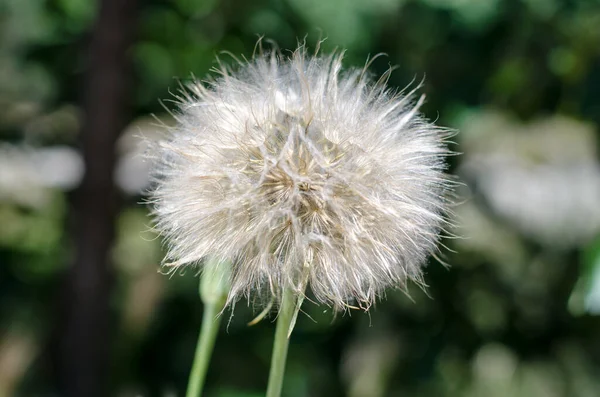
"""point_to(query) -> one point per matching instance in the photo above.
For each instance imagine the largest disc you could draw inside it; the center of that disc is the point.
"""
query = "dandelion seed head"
(301, 175)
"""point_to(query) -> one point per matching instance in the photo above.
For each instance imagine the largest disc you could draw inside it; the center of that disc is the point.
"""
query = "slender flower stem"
(285, 320)
(214, 287)
(204, 349)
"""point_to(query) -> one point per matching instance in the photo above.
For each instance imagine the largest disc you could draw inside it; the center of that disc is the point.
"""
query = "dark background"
(83, 309)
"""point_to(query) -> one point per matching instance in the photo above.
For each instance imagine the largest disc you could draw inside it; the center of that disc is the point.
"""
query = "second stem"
(286, 315)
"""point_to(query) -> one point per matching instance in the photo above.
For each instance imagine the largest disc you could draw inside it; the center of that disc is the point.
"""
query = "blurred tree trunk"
(84, 347)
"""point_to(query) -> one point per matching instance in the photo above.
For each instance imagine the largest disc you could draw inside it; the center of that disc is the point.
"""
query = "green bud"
(215, 283)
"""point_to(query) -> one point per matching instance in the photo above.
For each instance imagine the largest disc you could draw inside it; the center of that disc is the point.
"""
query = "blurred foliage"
(515, 314)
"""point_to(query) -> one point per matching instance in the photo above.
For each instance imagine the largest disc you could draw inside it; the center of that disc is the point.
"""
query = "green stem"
(204, 349)
(285, 319)
(214, 287)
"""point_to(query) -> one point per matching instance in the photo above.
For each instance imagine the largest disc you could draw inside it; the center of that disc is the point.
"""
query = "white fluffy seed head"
(301, 176)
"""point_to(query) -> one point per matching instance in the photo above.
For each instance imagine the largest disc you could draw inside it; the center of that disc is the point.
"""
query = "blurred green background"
(517, 313)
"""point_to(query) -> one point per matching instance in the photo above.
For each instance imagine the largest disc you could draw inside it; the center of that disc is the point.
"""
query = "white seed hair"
(301, 176)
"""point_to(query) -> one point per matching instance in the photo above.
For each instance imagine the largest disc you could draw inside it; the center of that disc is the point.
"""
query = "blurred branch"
(17, 351)
(85, 341)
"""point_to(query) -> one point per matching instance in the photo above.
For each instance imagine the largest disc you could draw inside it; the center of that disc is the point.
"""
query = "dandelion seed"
(301, 176)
